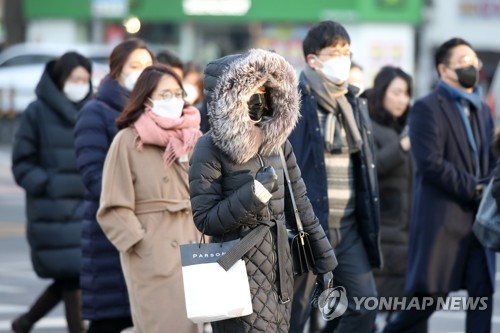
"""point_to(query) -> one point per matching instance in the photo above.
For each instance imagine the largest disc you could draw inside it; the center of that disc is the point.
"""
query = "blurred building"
(382, 31)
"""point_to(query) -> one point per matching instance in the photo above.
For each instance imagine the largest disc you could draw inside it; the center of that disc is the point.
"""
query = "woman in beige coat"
(145, 208)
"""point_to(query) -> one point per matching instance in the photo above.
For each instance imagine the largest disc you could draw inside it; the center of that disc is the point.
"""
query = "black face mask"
(467, 76)
(258, 106)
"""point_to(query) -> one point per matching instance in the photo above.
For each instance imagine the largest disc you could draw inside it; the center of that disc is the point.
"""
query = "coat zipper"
(273, 256)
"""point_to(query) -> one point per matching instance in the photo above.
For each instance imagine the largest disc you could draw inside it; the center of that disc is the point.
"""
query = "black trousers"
(112, 325)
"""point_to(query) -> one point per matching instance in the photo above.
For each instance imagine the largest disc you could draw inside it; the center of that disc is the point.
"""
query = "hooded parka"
(222, 172)
(44, 165)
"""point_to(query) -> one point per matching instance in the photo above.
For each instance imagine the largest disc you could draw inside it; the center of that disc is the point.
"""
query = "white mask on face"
(337, 69)
(75, 92)
(131, 79)
(191, 93)
(168, 109)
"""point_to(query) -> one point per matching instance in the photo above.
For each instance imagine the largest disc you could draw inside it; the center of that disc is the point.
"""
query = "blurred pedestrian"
(44, 164)
(237, 180)
(334, 147)
(450, 132)
(145, 209)
(389, 102)
(168, 58)
(193, 83)
(104, 293)
(357, 78)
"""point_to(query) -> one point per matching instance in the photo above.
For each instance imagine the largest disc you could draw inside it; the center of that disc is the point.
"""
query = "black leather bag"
(300, 246)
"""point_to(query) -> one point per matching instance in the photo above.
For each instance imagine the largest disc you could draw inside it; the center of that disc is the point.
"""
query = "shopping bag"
(487, 224)
(212, 293)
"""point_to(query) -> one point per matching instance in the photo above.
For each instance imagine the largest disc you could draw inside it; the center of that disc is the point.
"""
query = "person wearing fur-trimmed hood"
(237, 179)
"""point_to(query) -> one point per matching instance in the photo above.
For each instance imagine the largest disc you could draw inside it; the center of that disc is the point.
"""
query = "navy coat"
(308, 145)
(443, 207)
(44, 165)
(104, 293)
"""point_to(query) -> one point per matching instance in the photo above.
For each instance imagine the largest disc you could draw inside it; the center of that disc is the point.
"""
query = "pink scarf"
(178, 136)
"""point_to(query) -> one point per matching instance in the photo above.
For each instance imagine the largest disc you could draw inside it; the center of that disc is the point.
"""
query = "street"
(19, 285)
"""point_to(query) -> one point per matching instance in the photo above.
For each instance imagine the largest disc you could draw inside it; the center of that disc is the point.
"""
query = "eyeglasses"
(335, 54)
(168, 95)
(470, 61)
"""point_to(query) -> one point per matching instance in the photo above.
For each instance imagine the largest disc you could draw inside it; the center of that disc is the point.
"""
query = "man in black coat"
(451, 131)
(334, 149)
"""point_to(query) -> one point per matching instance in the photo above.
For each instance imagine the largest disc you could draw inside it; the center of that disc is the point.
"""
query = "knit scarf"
(178, 136)
(331, 98)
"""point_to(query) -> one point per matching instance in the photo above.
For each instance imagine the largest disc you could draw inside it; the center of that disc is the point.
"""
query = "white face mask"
(75, 92)
(337, 69)
(191, 93)
(131, 79)
(168, 109)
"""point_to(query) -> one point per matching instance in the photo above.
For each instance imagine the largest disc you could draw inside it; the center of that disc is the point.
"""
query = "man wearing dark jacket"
(450, 131)
(334, 149)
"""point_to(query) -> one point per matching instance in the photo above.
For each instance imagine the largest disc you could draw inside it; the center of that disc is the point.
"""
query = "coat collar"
(451, 113)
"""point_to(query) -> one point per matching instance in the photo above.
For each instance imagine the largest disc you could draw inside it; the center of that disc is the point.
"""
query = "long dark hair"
(63, 67)
(376, 97)
(146, 84)
(120, 54)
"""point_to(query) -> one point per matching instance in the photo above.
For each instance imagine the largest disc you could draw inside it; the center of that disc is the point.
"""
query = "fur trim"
(232, 129)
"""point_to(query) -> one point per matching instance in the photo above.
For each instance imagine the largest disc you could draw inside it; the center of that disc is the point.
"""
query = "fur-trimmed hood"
(230, 82)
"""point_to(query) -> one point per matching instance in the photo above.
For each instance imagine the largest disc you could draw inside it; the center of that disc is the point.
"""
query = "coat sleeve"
(26, 166)
(213, 212)
(388, 155)
(427, 147)
(324, 257)
(91, 146)
(116, 211)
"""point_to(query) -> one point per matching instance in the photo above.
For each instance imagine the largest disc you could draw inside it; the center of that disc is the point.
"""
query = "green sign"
(57, 9)
(242, 11)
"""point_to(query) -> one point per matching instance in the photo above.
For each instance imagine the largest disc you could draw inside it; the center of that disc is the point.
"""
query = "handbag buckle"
(284, 302)
(301, 235)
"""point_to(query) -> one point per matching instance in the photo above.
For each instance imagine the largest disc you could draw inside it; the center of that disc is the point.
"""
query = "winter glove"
(268, 178)
(323, 282)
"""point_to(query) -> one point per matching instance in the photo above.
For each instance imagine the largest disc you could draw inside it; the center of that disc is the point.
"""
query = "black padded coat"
(222, 172)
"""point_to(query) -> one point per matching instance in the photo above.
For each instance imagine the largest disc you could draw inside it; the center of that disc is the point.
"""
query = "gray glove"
(267, 177)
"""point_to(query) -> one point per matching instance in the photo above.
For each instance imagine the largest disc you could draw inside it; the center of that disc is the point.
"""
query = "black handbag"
(300, 246)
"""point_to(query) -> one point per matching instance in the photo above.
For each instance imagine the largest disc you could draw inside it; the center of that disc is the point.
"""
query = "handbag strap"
(244, 245)
(300, 228)
(250, 240)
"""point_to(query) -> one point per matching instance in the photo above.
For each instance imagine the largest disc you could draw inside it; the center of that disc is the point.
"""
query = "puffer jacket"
(222, 172)
(44, 164)
(104, 292)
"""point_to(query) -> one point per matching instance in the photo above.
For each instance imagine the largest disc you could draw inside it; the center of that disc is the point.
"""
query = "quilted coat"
(44, 165)
(104, 292)
(222, 172)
